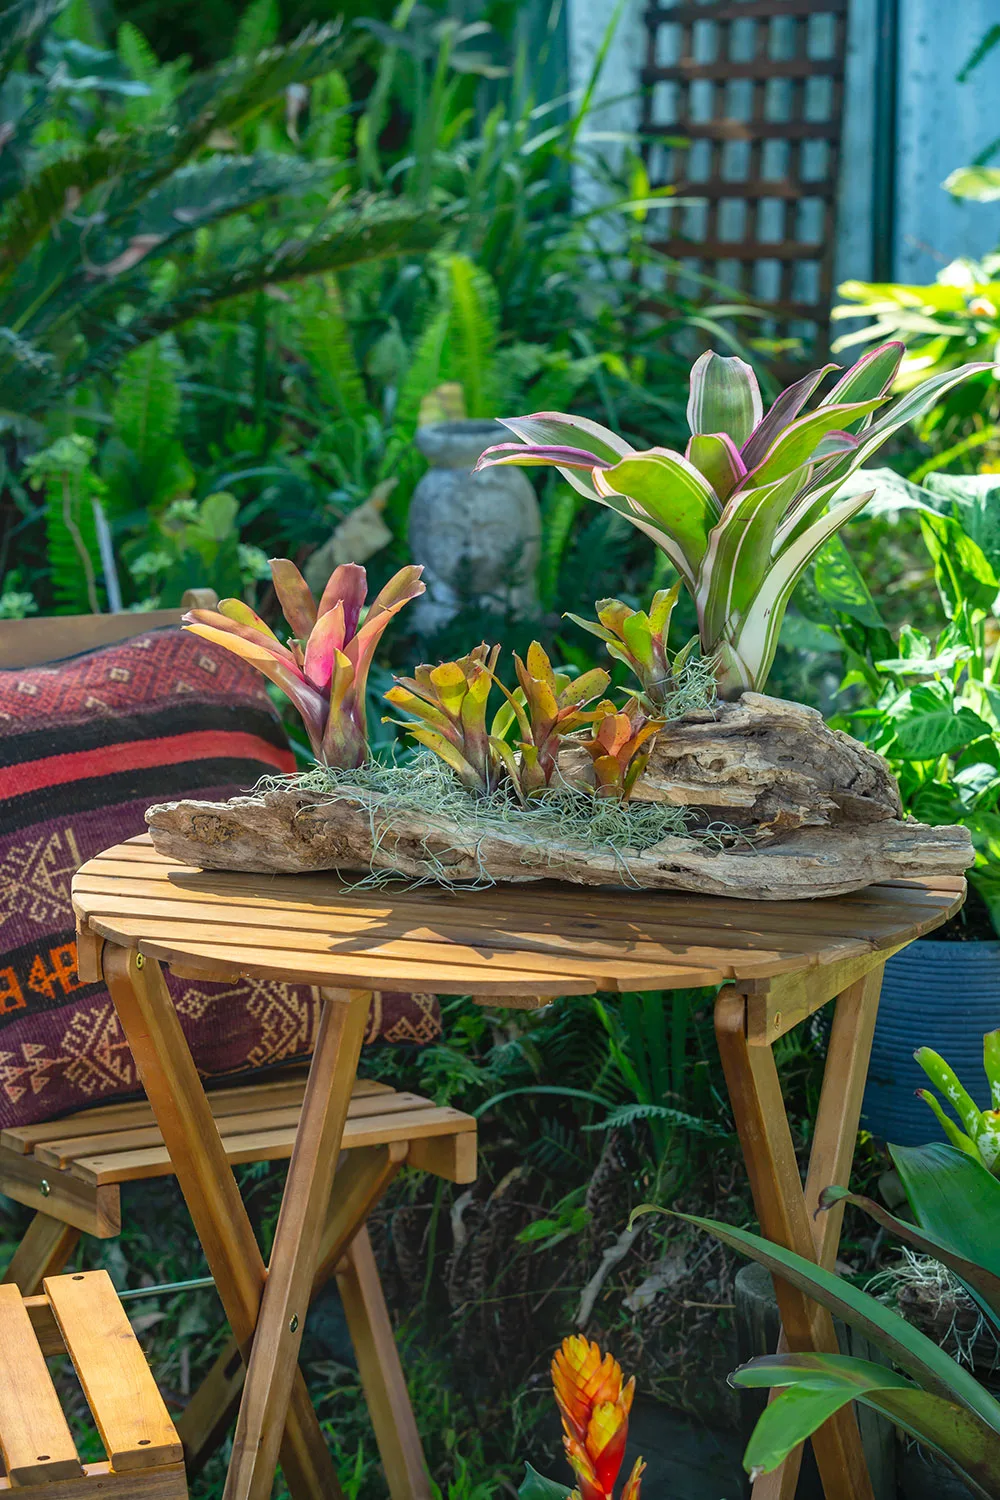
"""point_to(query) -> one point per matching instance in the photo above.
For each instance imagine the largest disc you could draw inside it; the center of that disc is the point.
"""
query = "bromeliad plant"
(449, 704)
(742, 512)
(620, 747)
(639, 639)
(324, 667)
(981, 1136)
(594, 1402)
(549, 706)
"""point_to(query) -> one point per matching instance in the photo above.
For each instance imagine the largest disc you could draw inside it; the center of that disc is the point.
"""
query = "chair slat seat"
(83, 1158)
(80, 1314)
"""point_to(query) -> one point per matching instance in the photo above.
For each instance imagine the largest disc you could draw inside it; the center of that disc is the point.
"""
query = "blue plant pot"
(941, 995)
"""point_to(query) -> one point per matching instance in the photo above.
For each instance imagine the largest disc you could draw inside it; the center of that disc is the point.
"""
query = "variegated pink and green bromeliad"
(748, 504)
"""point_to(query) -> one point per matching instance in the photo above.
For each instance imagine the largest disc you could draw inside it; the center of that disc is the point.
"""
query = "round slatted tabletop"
(522, 942)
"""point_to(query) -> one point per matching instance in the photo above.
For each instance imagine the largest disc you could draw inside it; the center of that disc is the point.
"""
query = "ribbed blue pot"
(941, 995)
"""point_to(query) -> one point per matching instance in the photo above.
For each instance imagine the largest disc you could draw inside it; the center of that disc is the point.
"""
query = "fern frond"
(162, 79)
(136, 55)
(331, 124)
(423, 374)
(257, 28)
(627, 1114)
(326, 340)
(147, 403)
(20, 23)
(474, 320)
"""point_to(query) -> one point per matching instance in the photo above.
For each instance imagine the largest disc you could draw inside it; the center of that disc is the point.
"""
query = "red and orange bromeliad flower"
(594, 1404)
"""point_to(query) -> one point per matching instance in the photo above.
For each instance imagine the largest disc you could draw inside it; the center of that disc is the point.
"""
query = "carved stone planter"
(477, 535)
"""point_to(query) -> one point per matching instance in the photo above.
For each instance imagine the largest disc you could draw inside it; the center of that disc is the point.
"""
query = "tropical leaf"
(227, 96)
(326, 340)
(369, 231)
(905, 1345)
(815, 1386)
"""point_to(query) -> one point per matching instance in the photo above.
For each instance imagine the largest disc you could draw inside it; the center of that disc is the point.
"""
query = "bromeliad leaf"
(745, 510)
(672, 493)
(324, 667)
(725, 398)
(815, 1386)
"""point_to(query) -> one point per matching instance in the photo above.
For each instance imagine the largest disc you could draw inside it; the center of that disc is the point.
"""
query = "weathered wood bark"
(823, 812)
(287, 830)
(822, 809)
(770, 765)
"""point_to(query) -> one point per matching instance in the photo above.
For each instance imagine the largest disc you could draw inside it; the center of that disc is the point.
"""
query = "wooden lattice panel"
(753, 90)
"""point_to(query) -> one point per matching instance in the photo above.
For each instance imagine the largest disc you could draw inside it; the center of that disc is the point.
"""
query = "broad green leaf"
(817, 1385)
(906, 1346)
(757, 637)
(962, 571)
(924, 666)
(725, 397)
(962, 1247)
(840, 584)
(716, 456)
(738, 557)
(957, 1201)
(932, 725)
(555, 428)
(872, 376)
(672, 495)
(535, 1486)
(785, 409)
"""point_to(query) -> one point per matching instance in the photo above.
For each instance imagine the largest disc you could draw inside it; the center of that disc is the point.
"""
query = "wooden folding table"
(776, 962)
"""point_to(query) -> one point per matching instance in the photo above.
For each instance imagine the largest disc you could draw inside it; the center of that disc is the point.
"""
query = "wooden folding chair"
(71, 1170)
(80, 1315)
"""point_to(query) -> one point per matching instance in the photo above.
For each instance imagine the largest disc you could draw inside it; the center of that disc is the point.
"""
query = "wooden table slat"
(539, 939)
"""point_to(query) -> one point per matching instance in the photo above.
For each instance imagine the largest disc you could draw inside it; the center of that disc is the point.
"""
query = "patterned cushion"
(86, 745)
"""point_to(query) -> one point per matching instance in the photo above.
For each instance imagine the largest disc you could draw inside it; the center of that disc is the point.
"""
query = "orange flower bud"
(595, 1405)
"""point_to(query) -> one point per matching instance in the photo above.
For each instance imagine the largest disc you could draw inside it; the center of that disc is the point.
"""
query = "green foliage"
(932, 707)
(196, 546)
(64, 471)
(935, 1400)
(69, 274)
(942, 325)
(748, 505)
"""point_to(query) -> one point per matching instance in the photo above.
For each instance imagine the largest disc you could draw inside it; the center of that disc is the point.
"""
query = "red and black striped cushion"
(86, 745)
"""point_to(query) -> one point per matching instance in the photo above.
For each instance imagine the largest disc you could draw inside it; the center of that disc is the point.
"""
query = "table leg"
(182, 1111)
(382, 1377)
(359, 1184)
(274, 1357)
(759, 1111)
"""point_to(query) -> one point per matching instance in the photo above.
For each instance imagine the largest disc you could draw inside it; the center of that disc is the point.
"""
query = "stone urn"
(478, 536)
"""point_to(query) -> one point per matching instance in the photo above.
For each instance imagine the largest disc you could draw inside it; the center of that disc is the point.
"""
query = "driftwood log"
(819, 813)
(822, 811)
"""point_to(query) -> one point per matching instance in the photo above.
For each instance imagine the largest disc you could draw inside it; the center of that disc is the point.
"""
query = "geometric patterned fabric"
(86, 745)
